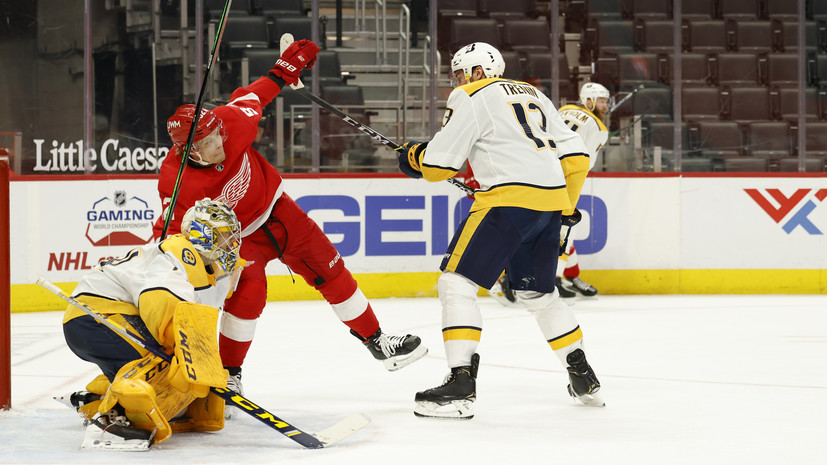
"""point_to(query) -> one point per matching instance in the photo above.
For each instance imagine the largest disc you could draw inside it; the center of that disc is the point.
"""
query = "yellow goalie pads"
(153, 391)
(197, 364)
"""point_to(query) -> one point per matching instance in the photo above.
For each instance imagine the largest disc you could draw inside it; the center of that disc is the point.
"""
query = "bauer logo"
(119, 220)
(791, 212)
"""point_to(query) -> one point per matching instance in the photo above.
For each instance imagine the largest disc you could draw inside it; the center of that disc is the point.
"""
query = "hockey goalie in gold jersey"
(170, 294)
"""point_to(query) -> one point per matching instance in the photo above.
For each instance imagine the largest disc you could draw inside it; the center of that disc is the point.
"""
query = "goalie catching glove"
(410, 157)
(299, 55)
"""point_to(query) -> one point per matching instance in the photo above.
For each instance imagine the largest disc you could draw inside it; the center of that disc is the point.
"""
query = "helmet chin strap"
(198, 161)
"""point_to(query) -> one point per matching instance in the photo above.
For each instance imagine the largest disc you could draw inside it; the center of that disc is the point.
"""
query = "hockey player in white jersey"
(169, 293)
(530, 168)
(588, 120)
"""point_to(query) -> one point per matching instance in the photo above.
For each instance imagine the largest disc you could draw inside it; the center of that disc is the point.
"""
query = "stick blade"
(342, 429)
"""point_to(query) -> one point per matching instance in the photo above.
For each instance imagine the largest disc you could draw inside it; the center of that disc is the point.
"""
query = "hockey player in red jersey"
(224, 166)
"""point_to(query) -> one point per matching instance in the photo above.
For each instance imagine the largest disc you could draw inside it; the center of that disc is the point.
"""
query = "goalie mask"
(205, 137)
(477, 54)
(214, 231)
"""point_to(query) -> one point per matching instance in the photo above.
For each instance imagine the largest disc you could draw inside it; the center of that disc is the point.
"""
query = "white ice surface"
(686, 379)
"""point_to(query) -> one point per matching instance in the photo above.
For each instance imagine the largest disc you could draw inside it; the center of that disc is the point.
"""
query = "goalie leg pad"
(166, 401)
(197, 363)
(138, 398)
(97, 386)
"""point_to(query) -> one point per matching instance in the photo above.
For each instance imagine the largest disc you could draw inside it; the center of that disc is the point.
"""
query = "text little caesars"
(64, 157)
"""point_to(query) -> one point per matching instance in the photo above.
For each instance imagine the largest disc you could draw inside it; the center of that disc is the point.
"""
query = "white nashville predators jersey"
(588, 126)
(171, 269)
(515, 142)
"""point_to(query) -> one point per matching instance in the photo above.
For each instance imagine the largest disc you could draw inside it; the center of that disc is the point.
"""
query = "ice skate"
(233, 384)
(501, 291)
(394, 351)
(112, 431)
(584, 384)
(455, 398)
(565, 290)
(581, 287)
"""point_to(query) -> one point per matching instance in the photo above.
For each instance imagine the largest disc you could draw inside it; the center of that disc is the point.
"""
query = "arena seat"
(811, 165)
(653, 9)
(745, 104)
(719, 139)
(701, 103)
(526, 35)
(705, 36)
(244, 32)
(739, 9)
(698, 10)
(749, 36)
(654, 35)
(782, 10)
(608, 9)
(278, 8)
(746, 165)
(770, 140)
(784, 103)
(735, 69)
(511, 9)
(464, 31)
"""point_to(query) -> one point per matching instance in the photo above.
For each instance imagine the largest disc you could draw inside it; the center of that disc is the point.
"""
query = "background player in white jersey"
(588, 119)
(157, 291)
(530, 168)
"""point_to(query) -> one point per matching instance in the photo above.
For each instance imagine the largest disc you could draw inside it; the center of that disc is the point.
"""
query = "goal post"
(5, 285)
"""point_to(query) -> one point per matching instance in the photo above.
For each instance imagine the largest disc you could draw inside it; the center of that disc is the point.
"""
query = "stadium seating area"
(739, 65)
(739, 74)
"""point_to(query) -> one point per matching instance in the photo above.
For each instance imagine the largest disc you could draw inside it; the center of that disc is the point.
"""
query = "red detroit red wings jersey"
(245, 180)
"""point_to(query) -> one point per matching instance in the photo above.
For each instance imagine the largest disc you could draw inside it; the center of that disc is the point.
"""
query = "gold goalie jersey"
(521, 152)
(150, 281)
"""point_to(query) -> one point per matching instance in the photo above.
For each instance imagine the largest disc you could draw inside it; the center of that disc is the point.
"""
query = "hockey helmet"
(178, 125)
(477, 54)
(592, 91)
(214, 231)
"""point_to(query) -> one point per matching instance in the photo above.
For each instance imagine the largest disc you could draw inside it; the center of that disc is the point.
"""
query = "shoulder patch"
(188, 256)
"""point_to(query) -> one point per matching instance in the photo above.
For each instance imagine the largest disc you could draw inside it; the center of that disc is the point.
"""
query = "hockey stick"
(324, 438)
(198, 105)
(286, 40)
(623, 100)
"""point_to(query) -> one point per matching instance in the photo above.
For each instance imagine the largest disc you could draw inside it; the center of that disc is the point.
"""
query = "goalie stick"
(197, 116)
(286, 40)
(327, 437)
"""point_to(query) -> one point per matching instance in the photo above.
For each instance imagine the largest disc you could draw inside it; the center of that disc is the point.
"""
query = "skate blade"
(592, 400)
(454, 410)
(96, 439)
(397, 362)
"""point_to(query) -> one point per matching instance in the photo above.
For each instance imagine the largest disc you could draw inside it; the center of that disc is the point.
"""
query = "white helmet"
(478, 54)
(214, 231)
(592, 91)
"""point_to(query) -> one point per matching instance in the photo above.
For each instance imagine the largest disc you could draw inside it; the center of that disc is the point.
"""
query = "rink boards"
(664, 234)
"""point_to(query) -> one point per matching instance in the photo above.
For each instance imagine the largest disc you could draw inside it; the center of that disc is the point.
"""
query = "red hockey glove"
(409, 156)
(471, 181)
(299, 55)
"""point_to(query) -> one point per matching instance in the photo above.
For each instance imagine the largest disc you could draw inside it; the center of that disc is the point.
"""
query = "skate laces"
(234, 384)
(389, 344)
